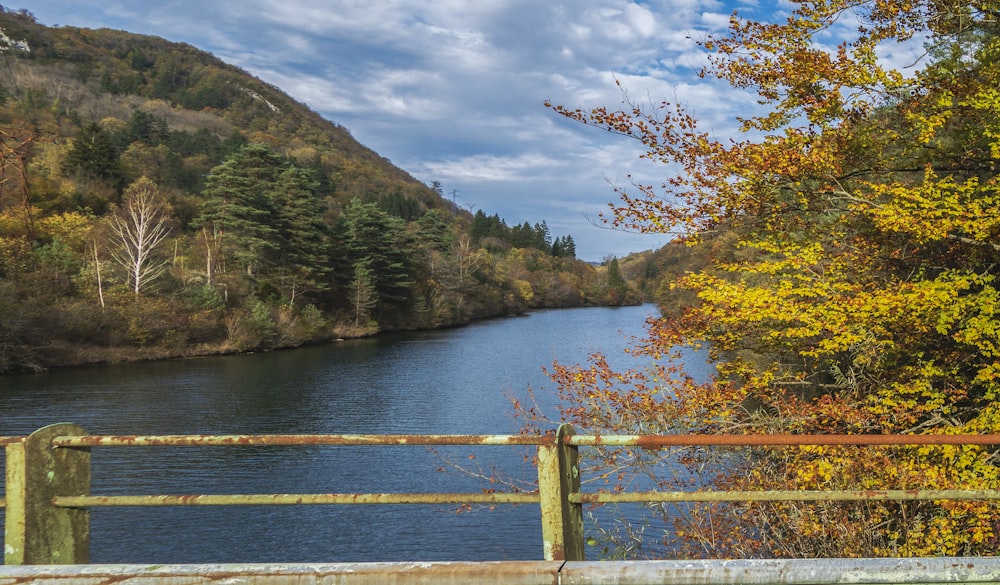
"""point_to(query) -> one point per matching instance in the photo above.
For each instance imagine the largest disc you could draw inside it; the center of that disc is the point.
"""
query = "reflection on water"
(455, 381)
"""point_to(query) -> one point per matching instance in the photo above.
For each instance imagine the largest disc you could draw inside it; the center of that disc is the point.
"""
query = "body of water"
(455, 381)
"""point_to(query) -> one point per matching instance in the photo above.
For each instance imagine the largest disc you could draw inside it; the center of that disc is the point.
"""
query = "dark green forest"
(156, 202)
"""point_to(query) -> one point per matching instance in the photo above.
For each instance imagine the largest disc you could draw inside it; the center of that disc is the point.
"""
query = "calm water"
(456, 381)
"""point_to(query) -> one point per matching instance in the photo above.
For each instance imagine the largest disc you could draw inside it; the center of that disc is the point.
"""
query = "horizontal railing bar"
(294, 499)
(524, 498)
(291, 440)
(645, 441)
(782, 496)
(657, 441)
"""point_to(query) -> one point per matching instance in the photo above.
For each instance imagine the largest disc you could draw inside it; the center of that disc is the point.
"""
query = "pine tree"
(364, 296)
(379, 240)
(240, 209)
(434, 231)
(302, 237)
(569, 247)
(94, 155)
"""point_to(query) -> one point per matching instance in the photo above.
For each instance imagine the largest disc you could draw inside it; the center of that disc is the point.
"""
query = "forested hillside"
(155, 202)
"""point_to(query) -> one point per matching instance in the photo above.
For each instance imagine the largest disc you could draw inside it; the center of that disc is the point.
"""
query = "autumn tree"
(858, 293)
(138, 227)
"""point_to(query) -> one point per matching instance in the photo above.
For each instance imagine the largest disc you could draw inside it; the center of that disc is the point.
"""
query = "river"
(454, 381)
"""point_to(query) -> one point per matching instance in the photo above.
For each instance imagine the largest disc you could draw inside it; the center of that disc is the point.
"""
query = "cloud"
(454, 91)
(488, 168)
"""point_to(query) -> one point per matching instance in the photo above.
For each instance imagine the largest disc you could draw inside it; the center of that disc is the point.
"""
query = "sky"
(454, 90)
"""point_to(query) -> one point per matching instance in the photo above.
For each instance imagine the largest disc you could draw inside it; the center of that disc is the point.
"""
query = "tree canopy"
(857, 291)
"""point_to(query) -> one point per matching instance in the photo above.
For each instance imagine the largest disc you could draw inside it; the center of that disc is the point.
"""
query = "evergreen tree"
(240, 209)
(94, 155)
(615, 279)
(480, 226)
(569, 247)
(522, 236)
(564, 247)
(143, 127)
(557, 247)
(379, 240)
(400, 206)
(303, 243)
(434, 231)
(543, 237)
(364, 296)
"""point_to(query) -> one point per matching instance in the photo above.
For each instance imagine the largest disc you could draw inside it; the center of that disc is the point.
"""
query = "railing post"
(35, 531)
(562, 520)
(13, 532)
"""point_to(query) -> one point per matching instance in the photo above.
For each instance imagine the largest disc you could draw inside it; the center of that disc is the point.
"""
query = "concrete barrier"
(712, 572)
(430, 573)
(785, 571)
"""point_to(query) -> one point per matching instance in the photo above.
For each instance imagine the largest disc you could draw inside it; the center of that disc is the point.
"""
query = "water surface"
(454, 381)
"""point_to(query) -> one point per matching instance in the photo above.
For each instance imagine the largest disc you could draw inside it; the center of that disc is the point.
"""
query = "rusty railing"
(47, 495)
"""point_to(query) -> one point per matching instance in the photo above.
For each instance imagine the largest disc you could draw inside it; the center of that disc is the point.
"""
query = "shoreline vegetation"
(84, 356)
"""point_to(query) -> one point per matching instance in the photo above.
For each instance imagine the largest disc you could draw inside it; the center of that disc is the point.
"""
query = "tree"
(434, 232)
(303, 242)
(93, 155)
(569, 247)
(858, 293)
(564, 247)
(239, 210)
(364, 297)
(543, 237)
(138, 227)
(379, 241)
(15, 148)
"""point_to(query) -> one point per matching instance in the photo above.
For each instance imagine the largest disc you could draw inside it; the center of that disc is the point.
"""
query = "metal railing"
(48, 473)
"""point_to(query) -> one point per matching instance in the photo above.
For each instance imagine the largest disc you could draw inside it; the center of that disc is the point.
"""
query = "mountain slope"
(157, 202)
(105, 73)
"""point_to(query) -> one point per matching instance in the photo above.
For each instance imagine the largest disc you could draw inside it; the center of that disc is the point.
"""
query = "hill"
(158, 202)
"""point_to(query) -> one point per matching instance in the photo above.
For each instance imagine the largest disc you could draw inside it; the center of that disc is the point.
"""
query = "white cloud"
(480, 168)
(715, 21)
(641, 20)
(453, 90)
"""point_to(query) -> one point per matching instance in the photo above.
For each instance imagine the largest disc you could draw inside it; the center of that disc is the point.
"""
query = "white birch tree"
(137, 227)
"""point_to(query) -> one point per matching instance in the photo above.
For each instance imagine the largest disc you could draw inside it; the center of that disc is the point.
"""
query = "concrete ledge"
(430, 573)
(748, 572)
(786, 571)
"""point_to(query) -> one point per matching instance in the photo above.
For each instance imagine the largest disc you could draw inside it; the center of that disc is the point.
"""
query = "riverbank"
(60, 355)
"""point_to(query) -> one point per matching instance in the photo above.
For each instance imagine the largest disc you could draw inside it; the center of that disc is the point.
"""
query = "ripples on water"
(454, 381)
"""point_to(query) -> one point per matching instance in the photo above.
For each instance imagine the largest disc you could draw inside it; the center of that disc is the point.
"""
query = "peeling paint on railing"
(296, 499)
(783, 496)
(290, 440)
(658, 441)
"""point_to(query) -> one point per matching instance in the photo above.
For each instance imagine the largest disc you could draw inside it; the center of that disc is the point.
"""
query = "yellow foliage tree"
(861, 295)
